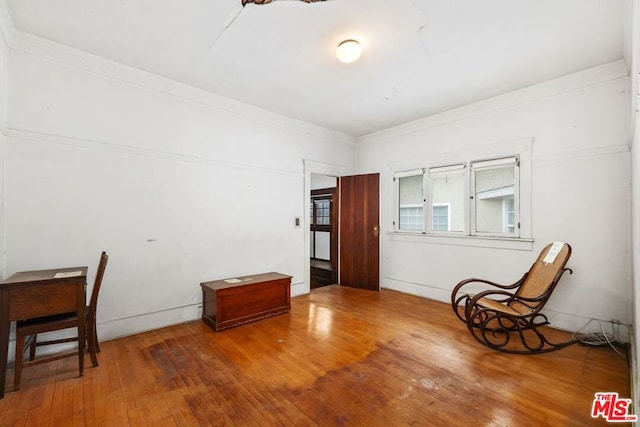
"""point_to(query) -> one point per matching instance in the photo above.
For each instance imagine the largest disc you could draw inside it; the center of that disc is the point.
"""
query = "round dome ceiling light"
(348, 51)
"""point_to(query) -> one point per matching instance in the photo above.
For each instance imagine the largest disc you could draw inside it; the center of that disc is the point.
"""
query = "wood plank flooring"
(341, 357)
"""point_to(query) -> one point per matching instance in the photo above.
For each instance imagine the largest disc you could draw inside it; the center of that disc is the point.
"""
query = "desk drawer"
(36, 301)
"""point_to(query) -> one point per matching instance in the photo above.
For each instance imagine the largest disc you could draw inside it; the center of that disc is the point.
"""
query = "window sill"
(520, 244)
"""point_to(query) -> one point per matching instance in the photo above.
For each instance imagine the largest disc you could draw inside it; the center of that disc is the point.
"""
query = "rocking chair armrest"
(457, 288)
(473, 300)
(512, 297)
(508, 296)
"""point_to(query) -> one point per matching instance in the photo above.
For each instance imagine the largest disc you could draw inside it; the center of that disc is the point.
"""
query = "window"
(447, 195)
(411, 201)
(320, 211)
(494, 204)
(323, 227)
(477, 198)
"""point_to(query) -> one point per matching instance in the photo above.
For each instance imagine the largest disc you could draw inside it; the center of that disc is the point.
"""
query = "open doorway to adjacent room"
(323, 220)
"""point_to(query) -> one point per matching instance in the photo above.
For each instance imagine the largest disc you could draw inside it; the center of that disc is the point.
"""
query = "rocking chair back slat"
(542, 278)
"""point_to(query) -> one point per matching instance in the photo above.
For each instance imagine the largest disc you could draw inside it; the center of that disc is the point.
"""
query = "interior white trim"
(30, 44)
(576, 154)
(590, 77)
(319, 168)
(26, 136)
(511, 243)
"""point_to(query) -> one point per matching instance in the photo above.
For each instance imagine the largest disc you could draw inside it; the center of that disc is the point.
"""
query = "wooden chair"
(27, 331)
(507, 318)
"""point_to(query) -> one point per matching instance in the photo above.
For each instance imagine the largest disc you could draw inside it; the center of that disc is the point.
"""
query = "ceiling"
(420, 57)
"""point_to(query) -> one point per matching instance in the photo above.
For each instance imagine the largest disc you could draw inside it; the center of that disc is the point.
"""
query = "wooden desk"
(30, 294)
(232, 302)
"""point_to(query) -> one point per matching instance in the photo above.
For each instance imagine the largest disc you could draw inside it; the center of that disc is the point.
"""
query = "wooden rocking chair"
(496, 316)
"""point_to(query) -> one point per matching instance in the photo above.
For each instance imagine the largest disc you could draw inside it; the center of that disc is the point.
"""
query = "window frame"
(492, 164)
(520, 239)
(330, 195)
(450, 170)
(396, 216)
(321, 195)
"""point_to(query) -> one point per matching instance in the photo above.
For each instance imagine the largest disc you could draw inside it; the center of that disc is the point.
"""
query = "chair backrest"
(543, 276)
(93, 304)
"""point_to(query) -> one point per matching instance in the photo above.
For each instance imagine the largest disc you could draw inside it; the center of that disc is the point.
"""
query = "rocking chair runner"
(496, 316)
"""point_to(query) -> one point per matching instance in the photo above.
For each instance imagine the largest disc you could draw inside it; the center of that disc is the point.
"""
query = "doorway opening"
(323, 223)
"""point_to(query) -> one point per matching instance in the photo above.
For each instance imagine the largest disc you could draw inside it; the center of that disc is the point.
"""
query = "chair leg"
(32, 346)
(17, 377)
(92, 341)
(91, 345)
(95, 337)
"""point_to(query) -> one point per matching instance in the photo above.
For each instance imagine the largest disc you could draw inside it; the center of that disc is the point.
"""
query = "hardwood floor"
(341, 357)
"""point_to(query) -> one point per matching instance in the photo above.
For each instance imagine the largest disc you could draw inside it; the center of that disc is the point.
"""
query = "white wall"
(179, 186)
(5, 34)
(633, 60)
(635, 166)
(580, 176)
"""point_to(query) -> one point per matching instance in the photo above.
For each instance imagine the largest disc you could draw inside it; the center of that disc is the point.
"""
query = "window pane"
(323, 212)
(494, 200)
(448, 194)
(440, 218)
(411, 202)
(411, 218)
(510, 214)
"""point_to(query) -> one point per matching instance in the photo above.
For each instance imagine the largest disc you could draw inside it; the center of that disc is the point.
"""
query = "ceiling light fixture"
(349, 51)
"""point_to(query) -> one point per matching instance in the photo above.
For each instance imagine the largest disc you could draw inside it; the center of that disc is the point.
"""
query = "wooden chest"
(231, 302)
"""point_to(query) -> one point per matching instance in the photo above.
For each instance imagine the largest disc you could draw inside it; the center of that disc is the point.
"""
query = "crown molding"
(30, 44)
(582, 79)
(25, 136)
(589, 152)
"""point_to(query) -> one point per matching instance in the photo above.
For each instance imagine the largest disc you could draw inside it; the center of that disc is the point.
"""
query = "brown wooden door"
(359, 231)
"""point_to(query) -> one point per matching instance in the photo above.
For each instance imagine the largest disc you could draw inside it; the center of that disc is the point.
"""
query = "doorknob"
(376, 230)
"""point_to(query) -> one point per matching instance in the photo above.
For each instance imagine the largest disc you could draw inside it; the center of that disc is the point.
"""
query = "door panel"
(359, 231)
